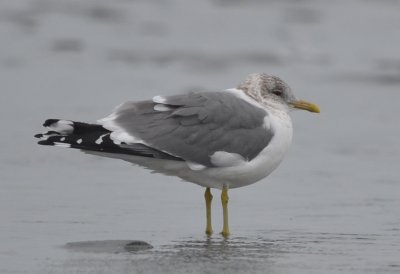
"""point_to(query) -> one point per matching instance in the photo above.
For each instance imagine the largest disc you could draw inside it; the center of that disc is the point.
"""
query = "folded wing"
(205, 128)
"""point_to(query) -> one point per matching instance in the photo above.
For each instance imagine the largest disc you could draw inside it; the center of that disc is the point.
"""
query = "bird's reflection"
(226, 248)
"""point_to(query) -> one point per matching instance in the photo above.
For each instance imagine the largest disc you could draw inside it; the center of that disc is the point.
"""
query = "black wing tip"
(94, 137)
(48, 133)
(45, 143)
(49, 122)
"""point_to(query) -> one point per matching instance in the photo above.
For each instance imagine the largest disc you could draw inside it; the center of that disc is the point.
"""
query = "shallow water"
(331, 207)
(272, 251)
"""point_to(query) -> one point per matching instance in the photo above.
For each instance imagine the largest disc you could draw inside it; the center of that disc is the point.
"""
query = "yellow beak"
(300, 104)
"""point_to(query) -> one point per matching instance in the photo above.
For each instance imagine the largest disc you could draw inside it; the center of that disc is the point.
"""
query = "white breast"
(248, 172)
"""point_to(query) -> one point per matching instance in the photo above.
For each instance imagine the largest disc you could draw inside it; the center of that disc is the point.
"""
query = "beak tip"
(316, 109)
(300, 104)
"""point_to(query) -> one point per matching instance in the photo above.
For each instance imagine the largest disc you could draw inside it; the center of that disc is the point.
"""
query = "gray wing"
(194, 126)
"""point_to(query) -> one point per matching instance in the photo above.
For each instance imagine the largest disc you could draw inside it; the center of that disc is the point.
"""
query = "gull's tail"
(92, 137)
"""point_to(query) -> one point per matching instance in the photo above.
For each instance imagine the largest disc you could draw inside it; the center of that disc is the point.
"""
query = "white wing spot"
(62, 139)
(195, 166)
(79, 141)
(159, 99)
(226, 159)
(161, 107)
(62, 126)
(121, 136)
(61, 144)
(100, 140)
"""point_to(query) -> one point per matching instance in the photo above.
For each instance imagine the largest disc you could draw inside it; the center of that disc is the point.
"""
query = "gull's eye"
(277, 92)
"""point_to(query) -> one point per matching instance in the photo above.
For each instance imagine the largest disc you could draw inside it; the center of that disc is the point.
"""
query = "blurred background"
(331, 207)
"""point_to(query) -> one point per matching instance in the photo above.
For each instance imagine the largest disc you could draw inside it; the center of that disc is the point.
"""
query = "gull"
(219, 139)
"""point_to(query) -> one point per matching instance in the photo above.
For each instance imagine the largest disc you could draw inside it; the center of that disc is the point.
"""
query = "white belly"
(254, 170)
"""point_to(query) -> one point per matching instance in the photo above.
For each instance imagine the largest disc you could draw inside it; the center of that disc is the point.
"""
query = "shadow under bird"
(223, 139)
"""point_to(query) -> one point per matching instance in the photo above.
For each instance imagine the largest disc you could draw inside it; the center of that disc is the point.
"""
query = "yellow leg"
(224, 200)
(208, 196)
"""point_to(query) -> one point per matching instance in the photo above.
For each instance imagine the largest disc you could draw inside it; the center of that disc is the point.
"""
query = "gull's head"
(272, 91)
